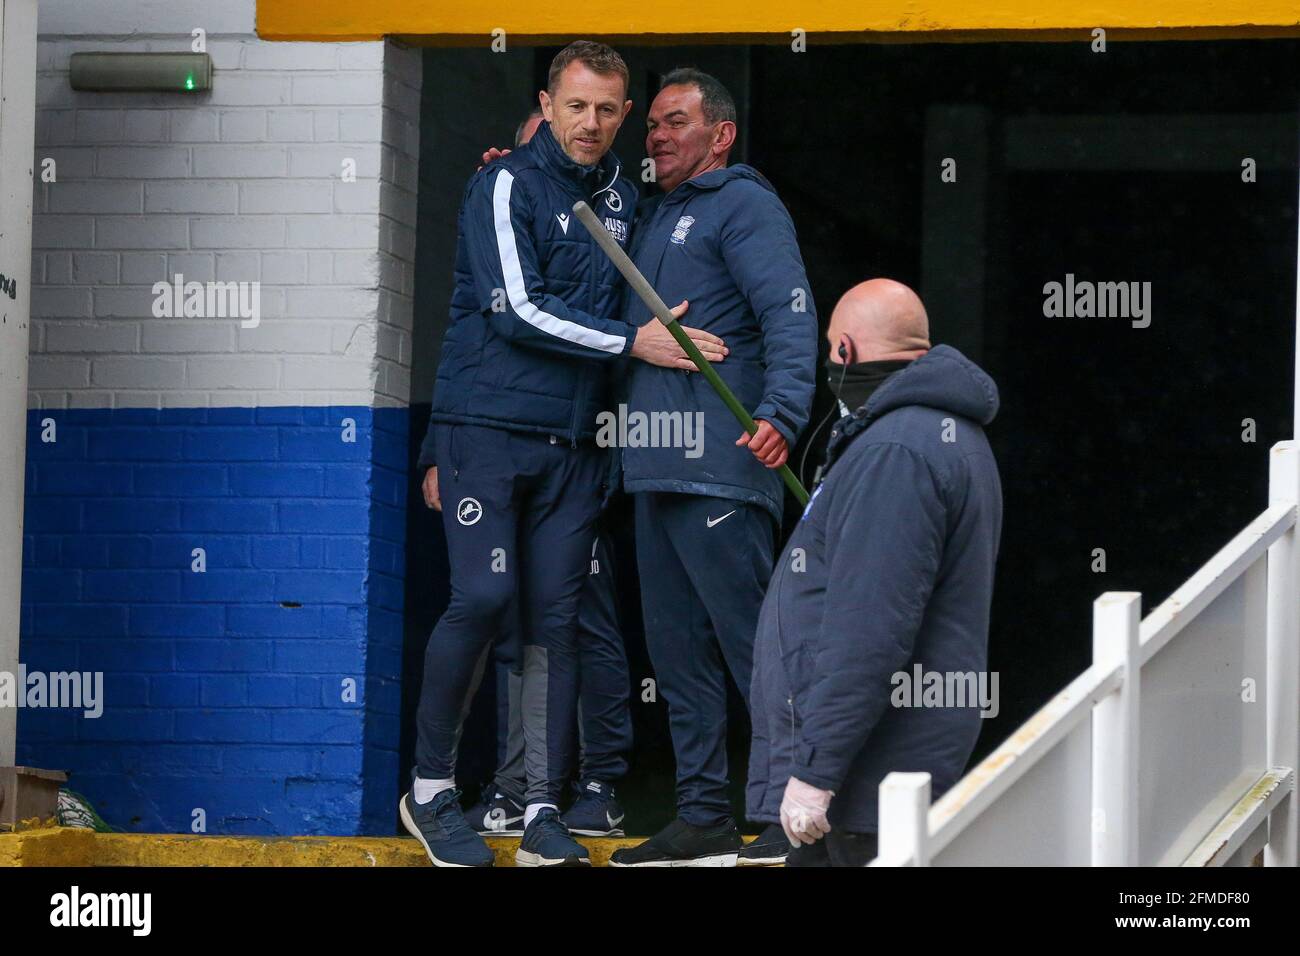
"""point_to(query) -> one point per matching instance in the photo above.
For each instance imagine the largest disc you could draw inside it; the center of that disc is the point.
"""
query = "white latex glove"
(803, 812)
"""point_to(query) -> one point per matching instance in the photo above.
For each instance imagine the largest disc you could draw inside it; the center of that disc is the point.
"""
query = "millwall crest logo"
(683, 227)
(469, 511)
(613, 200)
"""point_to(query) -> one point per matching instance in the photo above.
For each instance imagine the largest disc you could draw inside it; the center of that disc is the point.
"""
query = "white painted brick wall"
(400, 135)
(240, 185)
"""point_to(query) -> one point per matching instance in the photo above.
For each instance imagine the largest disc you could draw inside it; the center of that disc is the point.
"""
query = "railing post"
(1282, 694)
(904, 819)
(1115, 622)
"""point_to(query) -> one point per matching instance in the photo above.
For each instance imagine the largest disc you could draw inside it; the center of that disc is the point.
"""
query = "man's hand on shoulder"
(768, 445)
(493, 153)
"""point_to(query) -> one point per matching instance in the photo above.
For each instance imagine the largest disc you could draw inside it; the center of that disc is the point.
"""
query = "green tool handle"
(661, 311)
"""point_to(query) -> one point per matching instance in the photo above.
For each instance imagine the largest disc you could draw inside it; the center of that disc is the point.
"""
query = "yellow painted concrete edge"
(65, 846)
(335, 20)
(51, 846)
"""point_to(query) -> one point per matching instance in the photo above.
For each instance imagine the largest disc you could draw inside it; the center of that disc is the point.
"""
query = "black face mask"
(854, 384)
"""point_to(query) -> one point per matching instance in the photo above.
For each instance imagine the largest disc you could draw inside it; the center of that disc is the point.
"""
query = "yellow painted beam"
(347, 20)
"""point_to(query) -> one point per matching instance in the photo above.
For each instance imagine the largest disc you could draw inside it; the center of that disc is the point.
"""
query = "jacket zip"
(780, 658)
(592, 287)
(579, 396)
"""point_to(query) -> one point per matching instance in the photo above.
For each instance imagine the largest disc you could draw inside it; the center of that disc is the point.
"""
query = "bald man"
(888, 577)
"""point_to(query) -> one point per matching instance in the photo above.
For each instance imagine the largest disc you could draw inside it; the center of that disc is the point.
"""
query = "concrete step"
(66, 846)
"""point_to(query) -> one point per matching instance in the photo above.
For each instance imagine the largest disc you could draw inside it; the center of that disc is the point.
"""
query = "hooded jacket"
(723, 241)
(890, 567)
(535, 320)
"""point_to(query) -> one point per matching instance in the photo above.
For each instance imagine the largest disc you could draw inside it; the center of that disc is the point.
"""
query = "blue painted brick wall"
(223, 690)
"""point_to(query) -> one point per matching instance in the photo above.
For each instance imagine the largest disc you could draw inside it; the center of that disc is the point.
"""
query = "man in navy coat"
(889, 575)
(708, 506)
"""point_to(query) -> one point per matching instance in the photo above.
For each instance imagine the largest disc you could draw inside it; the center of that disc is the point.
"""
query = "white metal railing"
(1178, 746)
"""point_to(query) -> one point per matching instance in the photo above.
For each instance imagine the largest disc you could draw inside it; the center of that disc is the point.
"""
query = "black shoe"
(684, 844)
(767, 849)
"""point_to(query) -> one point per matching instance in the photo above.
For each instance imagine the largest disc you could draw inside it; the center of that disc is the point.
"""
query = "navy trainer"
(496, 814)
(547, 842)
(442, 831)
(595, 812)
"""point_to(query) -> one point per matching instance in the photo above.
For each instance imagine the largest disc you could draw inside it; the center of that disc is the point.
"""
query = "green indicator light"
(189, 82)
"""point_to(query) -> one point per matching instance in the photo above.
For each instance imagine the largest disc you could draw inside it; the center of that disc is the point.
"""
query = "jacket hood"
(717, 178)
(942, 378)
(550, 155)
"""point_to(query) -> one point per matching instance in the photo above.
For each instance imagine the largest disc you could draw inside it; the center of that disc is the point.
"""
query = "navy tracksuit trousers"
(704, 564)
(604, 718)
(519, 510)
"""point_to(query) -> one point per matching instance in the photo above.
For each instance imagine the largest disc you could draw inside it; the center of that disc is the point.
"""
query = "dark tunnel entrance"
(1115, 438)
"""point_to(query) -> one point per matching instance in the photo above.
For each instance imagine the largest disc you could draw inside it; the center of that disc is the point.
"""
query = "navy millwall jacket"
(724, 242)
(535, 320)
(890, 567)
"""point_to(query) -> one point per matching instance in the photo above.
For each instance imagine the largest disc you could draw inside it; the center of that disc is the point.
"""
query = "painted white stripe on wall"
(517, 293)
(244, 184)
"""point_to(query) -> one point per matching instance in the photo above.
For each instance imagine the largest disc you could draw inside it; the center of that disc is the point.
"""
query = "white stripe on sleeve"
(514, 278)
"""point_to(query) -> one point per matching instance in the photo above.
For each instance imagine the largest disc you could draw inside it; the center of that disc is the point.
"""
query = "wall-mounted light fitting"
(141, 72)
